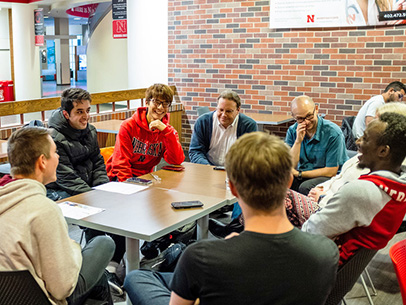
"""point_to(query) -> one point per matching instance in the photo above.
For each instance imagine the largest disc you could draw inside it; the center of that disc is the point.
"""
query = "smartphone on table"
(176, 168)
(139, 181)
(187, 204)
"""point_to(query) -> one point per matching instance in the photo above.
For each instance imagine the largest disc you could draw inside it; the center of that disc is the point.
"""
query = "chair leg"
(374, 293)
(366, 290)
(81, 237)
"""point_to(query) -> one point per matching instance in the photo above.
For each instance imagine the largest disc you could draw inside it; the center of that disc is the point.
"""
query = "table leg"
(203, 228)
(132, 247)
(133, 254)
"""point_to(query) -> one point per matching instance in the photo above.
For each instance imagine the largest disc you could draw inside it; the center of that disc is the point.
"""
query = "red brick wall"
(224, 44)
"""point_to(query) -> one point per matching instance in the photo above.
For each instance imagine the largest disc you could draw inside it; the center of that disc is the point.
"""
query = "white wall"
(147, 26)
(5, 66)
(106, 59)
(27, 82)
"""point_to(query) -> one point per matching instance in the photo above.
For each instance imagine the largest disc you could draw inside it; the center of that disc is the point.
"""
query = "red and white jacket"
(138, 149)
(363, 213)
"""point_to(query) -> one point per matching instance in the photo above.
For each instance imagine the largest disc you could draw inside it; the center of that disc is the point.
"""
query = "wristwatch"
(299, 175)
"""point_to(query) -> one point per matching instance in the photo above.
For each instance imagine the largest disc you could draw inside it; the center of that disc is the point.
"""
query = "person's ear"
(290, 180)
(383, 151)
(65, 114)
(233, 189)
(42, 162)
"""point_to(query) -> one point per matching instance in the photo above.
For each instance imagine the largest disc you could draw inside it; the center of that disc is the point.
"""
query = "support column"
(27, 73)
(62, 52)
(147, 28)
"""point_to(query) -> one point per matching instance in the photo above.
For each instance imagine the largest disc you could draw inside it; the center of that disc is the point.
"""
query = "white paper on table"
(120, 187)
(77, 210)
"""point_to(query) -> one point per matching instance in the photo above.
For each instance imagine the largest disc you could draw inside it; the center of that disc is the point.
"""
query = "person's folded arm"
(174, 152)
(99, 169)
(350, 207)
(67, 178)
(199, 145)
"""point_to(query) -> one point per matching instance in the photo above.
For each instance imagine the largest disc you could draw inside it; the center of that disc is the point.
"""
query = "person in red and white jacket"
(145, 138)
(368, 212)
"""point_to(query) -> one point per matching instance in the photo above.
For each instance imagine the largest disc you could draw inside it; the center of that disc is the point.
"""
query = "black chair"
(346, 128)
(202, 110)
(348, 274)
(20, 288)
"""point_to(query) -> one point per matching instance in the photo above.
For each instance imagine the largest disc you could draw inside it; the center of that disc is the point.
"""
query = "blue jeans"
(145, 287)
(56, 195)
(92, 281)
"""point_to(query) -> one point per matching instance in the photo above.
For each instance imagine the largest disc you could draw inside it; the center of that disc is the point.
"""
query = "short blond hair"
(25, 146)
(396, 107)
(259, 165)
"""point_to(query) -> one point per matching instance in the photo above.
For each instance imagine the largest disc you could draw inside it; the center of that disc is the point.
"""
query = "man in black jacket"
(81, 165)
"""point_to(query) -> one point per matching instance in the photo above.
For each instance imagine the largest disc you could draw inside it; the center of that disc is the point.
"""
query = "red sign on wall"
(39, 27)
(119, 14)
(120, 28)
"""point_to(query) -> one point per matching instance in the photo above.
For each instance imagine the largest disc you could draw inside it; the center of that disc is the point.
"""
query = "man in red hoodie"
(145, 138)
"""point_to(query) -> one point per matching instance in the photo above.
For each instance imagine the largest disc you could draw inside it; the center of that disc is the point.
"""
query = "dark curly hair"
(71, 95)
(394, 136)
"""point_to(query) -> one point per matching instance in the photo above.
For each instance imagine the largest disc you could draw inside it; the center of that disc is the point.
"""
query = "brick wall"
(226, 44)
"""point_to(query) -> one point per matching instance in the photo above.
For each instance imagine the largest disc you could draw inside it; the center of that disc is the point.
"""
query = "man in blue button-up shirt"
(317, 146)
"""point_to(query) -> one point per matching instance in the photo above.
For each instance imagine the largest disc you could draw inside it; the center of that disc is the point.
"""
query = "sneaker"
(166, 261)
(115, 284)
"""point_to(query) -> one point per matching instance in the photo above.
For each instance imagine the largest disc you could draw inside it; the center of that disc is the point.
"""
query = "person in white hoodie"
(368, 212)
(35, 234)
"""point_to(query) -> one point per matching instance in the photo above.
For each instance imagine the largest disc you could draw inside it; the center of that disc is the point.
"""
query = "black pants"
(305, 185)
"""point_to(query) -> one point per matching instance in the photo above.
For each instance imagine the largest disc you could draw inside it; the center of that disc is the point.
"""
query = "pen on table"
(155, 177)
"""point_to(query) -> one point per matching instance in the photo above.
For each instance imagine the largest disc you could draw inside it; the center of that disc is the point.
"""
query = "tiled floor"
(50, 88)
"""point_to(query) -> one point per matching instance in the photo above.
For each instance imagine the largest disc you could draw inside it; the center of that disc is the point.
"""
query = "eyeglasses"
(308, 117)
(228, 112)
(400, 95)
(159, 103)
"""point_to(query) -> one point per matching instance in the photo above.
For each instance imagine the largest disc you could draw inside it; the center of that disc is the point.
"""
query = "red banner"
(84, 11)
